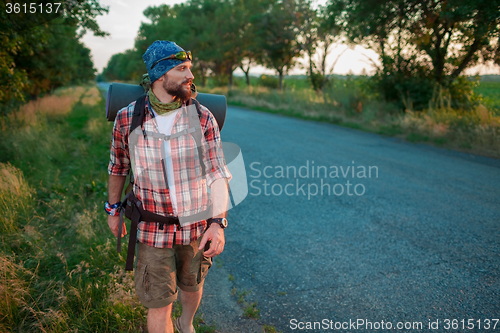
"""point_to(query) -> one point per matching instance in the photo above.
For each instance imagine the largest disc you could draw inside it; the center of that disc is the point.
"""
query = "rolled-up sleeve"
(119, 160)
(214, 156)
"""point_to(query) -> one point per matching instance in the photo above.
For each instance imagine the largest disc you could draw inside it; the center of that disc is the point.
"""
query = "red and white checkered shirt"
(150, 186)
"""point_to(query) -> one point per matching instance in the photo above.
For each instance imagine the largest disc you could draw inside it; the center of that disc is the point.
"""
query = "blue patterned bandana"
(158, 50)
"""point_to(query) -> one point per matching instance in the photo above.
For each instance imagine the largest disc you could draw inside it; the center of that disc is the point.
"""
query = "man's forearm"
(115, 188)
(220, 197)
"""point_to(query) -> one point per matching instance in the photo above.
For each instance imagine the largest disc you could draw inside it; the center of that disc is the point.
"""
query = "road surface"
(415, 244)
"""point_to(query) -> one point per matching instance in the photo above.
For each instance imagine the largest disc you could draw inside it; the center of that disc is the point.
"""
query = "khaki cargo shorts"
(159, 272)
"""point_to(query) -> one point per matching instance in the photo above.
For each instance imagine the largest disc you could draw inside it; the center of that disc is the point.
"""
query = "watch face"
(224, 222)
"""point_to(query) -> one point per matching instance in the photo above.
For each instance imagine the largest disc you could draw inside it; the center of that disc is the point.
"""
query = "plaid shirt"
(150, 186)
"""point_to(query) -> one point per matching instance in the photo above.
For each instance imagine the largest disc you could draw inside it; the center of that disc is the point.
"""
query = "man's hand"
(215, 234)
(114, 222)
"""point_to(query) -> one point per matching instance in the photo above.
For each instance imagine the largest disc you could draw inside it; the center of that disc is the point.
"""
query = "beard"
(178, 90)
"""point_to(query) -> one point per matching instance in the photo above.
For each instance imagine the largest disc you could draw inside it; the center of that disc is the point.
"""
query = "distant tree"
(125, 66)
(315, 36)
(250, 49)
(231, 20)
(188, 24)
(277, 32)
(211, 29)
(167, 23)
(421, 43)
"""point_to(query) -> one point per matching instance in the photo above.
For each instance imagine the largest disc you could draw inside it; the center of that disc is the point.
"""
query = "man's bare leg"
(190, 302)
(160, 321)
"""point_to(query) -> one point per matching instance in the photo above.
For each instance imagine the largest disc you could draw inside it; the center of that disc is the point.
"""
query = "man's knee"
(161, 312)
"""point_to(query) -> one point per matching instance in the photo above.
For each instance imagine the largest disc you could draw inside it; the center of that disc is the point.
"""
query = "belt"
(133, 210)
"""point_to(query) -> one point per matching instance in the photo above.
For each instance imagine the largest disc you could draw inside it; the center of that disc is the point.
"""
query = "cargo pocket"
(142, 283)
(205, 264)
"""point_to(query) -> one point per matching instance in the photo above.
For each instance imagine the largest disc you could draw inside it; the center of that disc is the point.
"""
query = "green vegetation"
(41, 52)
(422, 45)
(241, 295)
(228, 34)
(490, 95)
(419, 91)
(353, 102)
(251, 311)
(218, 261)
(59, 269)
(270, 329)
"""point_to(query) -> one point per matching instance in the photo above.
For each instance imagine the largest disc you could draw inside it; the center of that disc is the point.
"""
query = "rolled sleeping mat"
(121, 94)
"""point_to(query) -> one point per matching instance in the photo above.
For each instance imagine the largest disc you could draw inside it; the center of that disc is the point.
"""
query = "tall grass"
(59, 268)
(476, 130)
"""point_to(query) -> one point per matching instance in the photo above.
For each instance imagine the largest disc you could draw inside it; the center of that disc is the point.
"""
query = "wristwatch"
(220, 221)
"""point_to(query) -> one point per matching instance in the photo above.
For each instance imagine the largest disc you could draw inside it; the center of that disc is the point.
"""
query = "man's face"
(178, 81)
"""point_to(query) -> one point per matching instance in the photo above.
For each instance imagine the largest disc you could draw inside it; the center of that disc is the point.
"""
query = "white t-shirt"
(165, 125)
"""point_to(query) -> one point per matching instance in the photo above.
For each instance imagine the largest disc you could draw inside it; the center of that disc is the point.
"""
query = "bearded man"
(171, 178)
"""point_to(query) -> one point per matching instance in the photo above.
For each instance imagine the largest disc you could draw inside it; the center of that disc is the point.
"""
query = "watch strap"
(220, 221)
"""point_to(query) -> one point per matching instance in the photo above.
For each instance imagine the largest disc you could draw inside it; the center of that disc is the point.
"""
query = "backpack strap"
(194, 123)
(139, 111)
(137, 118)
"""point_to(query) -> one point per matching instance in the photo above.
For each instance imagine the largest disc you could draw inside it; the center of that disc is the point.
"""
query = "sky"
(125, 17)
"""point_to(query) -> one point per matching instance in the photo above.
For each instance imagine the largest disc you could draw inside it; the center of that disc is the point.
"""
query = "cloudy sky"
(125, 17)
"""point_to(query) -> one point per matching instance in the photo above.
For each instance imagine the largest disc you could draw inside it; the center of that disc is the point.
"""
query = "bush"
(219, 81)
(351, 93)
(419, 92)
(269, 81)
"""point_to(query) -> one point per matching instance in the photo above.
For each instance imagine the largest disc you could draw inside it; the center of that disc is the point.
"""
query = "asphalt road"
(418, 242)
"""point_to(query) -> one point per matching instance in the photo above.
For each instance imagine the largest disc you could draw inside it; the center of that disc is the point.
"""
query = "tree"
(422, 43)
(251, 50)
(231, 21)
(125, 66)
(276, 31)
(211, 28)
(315, 31)
(196, 21)
(40, 53)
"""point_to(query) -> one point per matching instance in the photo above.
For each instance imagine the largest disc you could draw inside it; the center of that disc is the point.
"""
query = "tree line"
(422, 44)
(41, 51)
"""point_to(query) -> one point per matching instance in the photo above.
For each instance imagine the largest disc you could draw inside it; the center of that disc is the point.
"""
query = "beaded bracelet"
(114, 209)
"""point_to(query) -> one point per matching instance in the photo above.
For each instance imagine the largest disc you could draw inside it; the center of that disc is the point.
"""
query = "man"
(168, 182)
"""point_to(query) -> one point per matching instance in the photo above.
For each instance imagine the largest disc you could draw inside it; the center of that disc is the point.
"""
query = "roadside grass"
(251, 310)
(59, 269)
(270, 329)
(348, 102)
(59, 266)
